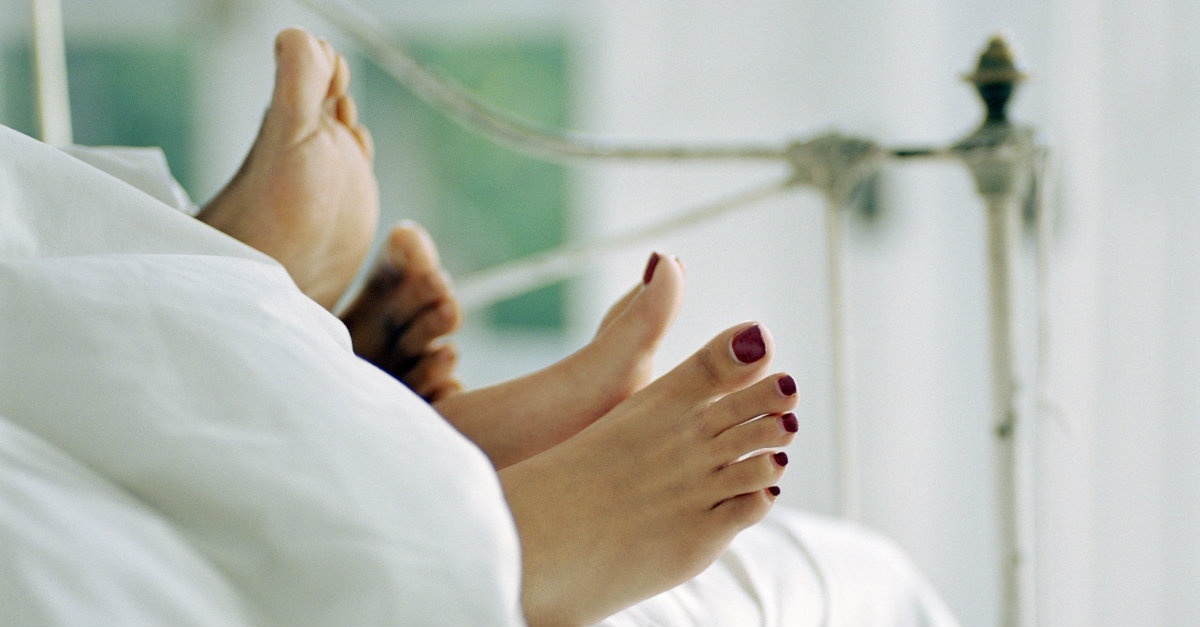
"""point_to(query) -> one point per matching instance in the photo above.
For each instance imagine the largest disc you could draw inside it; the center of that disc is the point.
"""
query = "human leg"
(650, 494)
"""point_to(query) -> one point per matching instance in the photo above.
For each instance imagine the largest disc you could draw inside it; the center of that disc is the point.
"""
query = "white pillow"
(189, 371)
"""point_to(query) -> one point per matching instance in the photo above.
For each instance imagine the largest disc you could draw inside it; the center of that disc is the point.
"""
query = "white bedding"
(186, 439)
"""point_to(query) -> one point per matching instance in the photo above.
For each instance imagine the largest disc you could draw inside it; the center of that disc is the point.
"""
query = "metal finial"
(996, 77)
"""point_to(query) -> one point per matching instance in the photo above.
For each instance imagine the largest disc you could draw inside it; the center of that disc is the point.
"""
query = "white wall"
(1114, 91)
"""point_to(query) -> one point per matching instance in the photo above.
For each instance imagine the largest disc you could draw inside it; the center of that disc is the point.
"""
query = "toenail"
(774, 490)
(748, 345)
(789, 422)
(780, 458)
(649, 274)
(787, 385)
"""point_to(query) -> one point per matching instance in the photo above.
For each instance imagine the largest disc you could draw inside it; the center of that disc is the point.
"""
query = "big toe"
(732, 360)
(407, 278)
(306, 70)
(409, 248)
(410, 252)
(640, 319)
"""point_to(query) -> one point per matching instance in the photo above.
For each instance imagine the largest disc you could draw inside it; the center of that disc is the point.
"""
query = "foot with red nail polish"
(651, 493)
(515, 420)
(306, 194)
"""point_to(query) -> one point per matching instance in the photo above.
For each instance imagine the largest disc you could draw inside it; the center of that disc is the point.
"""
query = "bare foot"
(654, 491)
(403, 312)
(517, 419)
(306, 194)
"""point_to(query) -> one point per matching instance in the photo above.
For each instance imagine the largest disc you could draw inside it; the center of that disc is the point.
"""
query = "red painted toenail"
(787, 385)
(780, 458)
(748, 345)
(774, 490)
(789, 422)
(649, 274)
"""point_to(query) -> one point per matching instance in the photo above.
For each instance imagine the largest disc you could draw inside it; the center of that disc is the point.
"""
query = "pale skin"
(286, 199)
(610, 477)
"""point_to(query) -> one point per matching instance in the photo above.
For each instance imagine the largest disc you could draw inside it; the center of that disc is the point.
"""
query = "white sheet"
(162, 382)
(798, 570)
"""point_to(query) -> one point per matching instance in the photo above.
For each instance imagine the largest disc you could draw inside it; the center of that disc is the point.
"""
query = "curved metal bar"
(502, 128)
(552, 144)
(514, 278)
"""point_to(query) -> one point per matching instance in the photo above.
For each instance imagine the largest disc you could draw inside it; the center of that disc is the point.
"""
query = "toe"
(767, 432)
(638, 322)
(363, 136)
(661, 295)
(346, 111)
(764, 397)
(410, 247)
(340, 81)
(302, 79)
(730, 361)
(617, 309)
(743, 510)
(432, 376)
(426, 326)
(749, 476)
(418, 294)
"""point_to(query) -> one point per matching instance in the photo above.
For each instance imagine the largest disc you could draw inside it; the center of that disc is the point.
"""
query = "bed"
(185, 438)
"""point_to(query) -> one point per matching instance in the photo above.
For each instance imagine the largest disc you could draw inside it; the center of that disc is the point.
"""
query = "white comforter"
(186, 439)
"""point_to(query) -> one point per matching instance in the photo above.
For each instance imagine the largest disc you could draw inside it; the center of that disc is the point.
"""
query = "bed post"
(50, 70)
(1002, 157)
